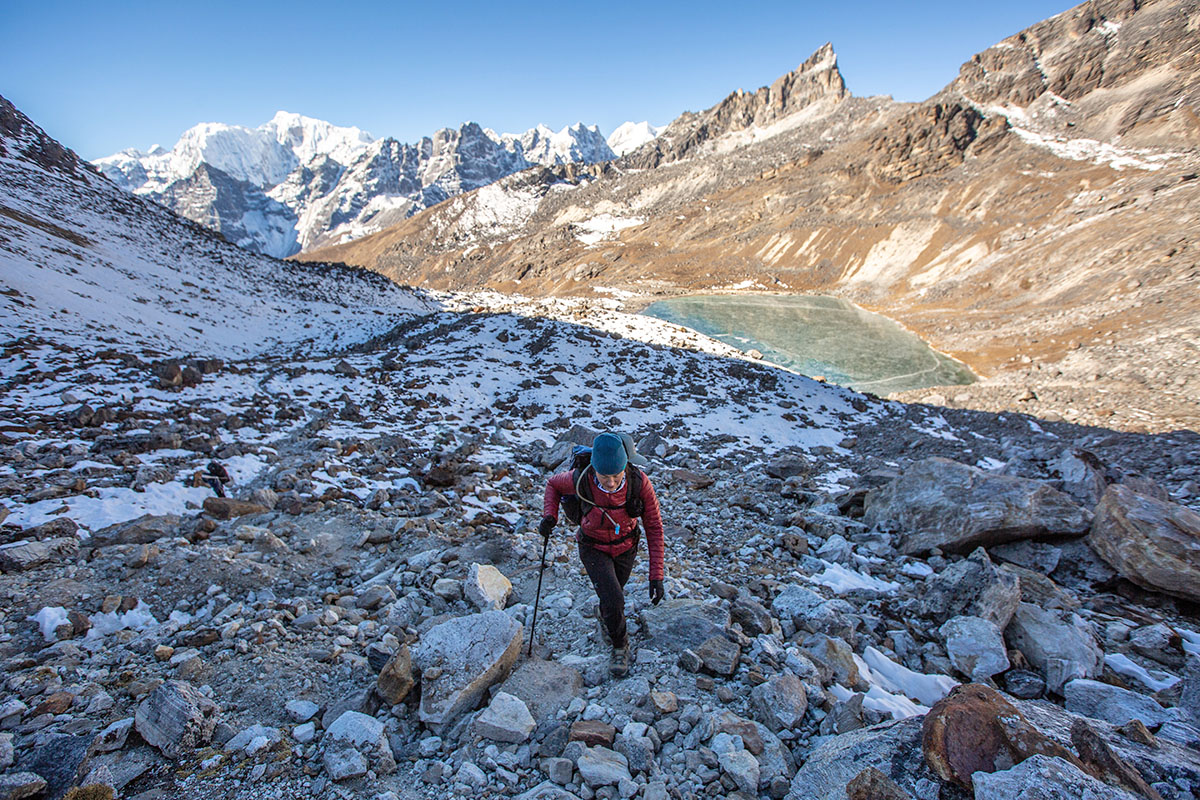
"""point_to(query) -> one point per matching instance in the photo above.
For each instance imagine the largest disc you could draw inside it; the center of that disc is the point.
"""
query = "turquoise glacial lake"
(817, 335)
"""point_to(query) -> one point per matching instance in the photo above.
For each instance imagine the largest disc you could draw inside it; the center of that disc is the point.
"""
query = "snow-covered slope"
(85, 263)
(298, 182)
(629, 136)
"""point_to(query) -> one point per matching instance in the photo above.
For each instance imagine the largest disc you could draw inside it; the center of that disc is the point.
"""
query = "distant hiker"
(596, 495)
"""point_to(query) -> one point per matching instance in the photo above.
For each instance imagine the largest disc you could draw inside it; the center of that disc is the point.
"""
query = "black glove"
(656, 592)
(546, 526)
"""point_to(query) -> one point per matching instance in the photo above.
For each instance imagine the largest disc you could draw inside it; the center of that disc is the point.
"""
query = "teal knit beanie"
(608, 454)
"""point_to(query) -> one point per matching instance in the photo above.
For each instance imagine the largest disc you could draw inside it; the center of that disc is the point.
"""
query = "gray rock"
(972, 587)
(599, 766)
(1158, 642)
(975, 646)
(360, 733)
(675, 625)
(1112, 703)
(939, 503)
(176, 718)
(448, 589)
(506, 719)
(894, 748)
(781, 702)
(20, 556)
(1060, 645)
(637, 749)
(811, 612)
(113, 737)
(1042, 777)
(62, 759)
(19, 785)
(1036, 556)
(547, 790)
(560, 770)
(1024, 684)
(473, 653)
(719, 656)
(752, 616)
(543, 686)
(364, 701)
(253, 739)
(1151, 542)
(471, 775)
(1189, 696)
(305, 733)
(7, 753)
(487, 587)
(344, 763)
(301, 710)
(1082, 475)
(742, 767)
(835, 549)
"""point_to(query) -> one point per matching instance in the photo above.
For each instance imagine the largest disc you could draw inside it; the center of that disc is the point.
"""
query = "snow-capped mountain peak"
(629, 136)
(296, 182)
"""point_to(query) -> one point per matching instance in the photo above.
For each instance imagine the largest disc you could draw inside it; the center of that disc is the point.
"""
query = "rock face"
(472, 652)
(817, 79)
(944, 504)
(487, 587)
(1042, 777)
(1060, 644)
(176, 718)
(974, 729)
(1151, 542)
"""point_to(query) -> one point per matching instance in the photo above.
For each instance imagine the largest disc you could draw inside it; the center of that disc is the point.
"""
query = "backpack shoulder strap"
(634, 506)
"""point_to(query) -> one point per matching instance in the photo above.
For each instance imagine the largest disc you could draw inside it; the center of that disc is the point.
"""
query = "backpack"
(573, 505)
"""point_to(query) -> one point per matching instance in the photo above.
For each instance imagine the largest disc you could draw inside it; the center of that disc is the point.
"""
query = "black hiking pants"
(609, 575)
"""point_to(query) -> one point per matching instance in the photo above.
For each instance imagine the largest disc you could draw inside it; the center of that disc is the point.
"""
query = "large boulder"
(893, 748)
(1042, 777)
(677, 625)
(939, 503)
(460, 659)
(973, 587)
(1112, 703)
(176, 718)
(1151, 542)
(975, 729)
(1060, 644)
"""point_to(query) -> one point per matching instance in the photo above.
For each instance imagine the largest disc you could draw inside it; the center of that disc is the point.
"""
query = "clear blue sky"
(101, 76)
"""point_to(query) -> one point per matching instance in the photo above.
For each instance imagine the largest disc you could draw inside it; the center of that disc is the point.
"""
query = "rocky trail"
(353, 620)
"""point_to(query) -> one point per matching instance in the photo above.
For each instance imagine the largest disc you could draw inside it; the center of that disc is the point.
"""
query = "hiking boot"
(619, 666)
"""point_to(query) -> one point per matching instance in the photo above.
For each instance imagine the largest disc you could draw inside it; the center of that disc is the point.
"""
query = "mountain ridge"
(327, 183)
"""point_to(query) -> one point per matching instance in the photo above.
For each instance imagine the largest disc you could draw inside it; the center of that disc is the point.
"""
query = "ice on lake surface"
(817, 335)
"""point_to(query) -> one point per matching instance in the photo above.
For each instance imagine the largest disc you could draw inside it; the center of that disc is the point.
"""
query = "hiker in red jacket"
(608, 530)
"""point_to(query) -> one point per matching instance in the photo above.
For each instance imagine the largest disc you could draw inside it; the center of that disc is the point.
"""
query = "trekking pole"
(538, 597)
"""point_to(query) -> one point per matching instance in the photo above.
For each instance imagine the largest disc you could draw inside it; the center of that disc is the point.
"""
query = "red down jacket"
(599, 523)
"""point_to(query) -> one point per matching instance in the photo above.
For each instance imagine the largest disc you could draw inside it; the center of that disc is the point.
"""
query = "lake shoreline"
(741, 337)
